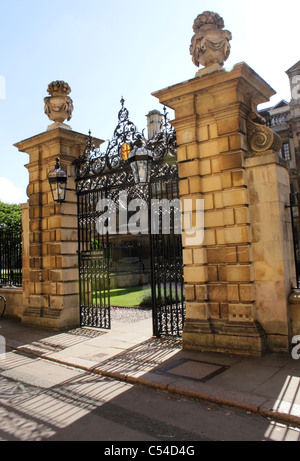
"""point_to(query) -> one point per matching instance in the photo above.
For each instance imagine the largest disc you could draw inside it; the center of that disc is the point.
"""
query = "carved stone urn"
(210, 45)
(59, 106)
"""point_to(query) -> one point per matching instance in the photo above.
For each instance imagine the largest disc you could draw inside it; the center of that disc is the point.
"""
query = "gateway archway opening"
(127, 259)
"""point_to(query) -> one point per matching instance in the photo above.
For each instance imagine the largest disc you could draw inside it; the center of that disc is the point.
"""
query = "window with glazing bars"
(285, 151)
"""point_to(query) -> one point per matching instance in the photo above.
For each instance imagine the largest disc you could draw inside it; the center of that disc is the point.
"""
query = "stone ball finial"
(210, 45)
(59, 106)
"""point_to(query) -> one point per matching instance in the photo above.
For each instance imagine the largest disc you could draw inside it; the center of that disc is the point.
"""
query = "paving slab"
(30, 373)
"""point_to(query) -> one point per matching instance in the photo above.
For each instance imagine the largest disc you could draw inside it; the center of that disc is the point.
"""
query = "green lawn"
(128, 297)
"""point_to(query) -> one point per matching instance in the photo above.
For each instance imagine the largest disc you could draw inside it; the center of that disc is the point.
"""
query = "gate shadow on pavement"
(101, 386)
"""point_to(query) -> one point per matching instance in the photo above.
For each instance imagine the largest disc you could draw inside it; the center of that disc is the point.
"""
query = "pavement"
(268, 386)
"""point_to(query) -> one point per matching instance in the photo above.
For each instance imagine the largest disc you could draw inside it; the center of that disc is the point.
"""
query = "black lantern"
(58, 183)
(140, 159)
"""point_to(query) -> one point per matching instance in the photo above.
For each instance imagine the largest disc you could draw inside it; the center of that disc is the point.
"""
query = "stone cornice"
(56, 135)
(239, 72)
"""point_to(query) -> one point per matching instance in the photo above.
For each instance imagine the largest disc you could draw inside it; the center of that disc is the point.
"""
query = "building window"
(285, 151)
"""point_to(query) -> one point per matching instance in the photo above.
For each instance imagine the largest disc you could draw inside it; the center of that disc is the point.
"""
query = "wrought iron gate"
(106, 257)
(294, 206)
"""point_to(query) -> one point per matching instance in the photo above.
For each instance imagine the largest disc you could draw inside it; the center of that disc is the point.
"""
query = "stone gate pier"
(50, 240)
(238, 281)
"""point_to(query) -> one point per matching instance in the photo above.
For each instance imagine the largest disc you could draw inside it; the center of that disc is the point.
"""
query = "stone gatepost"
(237, 281)
(50, 295)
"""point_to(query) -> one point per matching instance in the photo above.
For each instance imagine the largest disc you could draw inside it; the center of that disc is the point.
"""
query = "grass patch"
(127, 297)
(136, 297)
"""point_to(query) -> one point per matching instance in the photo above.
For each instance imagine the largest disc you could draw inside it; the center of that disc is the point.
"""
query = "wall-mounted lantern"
(58, 183)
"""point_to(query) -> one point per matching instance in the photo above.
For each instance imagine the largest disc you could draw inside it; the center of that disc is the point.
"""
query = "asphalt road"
(45, 401)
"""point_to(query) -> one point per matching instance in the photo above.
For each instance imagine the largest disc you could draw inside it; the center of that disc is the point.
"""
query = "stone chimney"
(154, 119)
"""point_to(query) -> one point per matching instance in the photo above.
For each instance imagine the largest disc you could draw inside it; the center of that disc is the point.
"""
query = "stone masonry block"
(239, 273)
(199, 255)
(67, 288)
(233, 295)
(226, 180)
(238, 178)
(208, 202)
(188, 169)
(222, 273)
(205, 167)
(223, 145)
(237, 141)
(215, 165)
(224, 310)
(231, 161)
(234, 197)
(215, 255)
(228, 217)
(244, 254)
(228, 125)
(214, 310)
(202, 133)
(196, 274)
(211, 183)
(214, 218)
(213, 131)
(209, 149)
(230, 255)
(242, 215)
(192, 151)
(184, 187)
(218, 200)
(189, 292)
(195, 185)
(247, 293)
(217, 292)
(237, 235)
(197, 311)
(220, 236)
(212, 273)
(187, 256)
(209, 237)
(241, 313)
(54, 222)
(201, 293)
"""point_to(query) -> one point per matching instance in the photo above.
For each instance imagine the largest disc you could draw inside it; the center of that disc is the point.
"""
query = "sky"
(109, 50)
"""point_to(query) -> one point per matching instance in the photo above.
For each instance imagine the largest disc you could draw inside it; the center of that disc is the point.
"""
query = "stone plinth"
(227, 309)
(51, 267)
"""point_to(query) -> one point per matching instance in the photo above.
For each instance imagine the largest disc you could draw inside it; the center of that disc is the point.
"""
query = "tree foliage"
(10, 216)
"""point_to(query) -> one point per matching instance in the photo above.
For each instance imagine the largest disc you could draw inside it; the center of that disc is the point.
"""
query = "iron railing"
(11, 257)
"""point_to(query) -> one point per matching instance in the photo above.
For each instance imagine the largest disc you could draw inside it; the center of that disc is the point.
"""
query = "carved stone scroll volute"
(260, 137)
